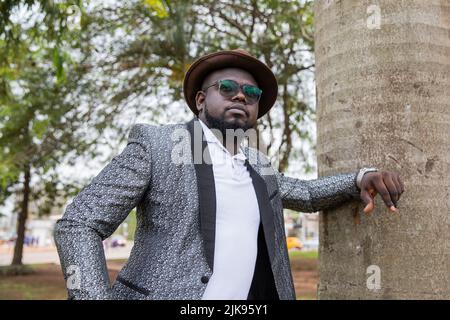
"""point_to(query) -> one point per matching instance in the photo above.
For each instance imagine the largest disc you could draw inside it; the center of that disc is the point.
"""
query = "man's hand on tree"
(388, 184)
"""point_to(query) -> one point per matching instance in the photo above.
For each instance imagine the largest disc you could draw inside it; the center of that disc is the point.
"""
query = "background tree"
(383, 78)
(42, 121)
(65, 90)
(143, 71)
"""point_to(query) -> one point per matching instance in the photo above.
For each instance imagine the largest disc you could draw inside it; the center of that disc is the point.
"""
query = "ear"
(199, 100)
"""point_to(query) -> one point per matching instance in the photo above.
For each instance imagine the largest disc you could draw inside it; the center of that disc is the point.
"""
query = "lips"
(238, 109)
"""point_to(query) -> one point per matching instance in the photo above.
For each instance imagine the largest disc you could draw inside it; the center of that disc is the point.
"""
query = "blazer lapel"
(207, 195)
(265, 209)
(206, 188)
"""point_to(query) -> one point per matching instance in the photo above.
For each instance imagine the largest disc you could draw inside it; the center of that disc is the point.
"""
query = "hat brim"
(231, 59)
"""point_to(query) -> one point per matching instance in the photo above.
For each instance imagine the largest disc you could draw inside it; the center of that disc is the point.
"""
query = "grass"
(304, 266)
(307, 297)
(303, 255)
(303, 260)
(47, 283)
(16, 270)
(21, 291)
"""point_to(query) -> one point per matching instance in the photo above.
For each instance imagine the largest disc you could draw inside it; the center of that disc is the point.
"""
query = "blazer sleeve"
(319, 194)
(96, 212)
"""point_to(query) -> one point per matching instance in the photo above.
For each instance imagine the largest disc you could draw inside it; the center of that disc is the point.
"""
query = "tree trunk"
(383, 90)
(22, 219)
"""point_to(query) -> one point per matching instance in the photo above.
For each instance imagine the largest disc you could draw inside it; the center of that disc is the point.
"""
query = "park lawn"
(47, 282)
(303, 254)
(12, 290)
(304, 266)
(303, 260)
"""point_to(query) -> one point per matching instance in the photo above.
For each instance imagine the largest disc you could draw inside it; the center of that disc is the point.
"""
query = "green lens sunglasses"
(229, 88)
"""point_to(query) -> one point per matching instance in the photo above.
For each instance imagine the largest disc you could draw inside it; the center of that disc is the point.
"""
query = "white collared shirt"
(237, 222)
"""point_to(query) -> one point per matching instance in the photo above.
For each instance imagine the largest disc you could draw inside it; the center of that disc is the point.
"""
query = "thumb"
(367, 198)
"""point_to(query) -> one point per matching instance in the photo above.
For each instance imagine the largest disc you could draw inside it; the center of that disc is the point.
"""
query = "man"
(209, 219)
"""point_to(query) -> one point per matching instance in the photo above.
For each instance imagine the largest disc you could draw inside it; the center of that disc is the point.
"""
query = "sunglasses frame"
(241, 87)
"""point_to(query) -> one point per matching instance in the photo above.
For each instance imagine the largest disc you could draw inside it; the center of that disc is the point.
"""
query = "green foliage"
(40, 125)
(158, 51)
(127, 227)
(61, 87)
(157, 6)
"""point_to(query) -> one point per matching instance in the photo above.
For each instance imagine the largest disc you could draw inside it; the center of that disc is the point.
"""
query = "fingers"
(393, 188)
(369, 208)
(400, 183)
(388, 185)
(367, 198)
(385, 192)
(395, 178)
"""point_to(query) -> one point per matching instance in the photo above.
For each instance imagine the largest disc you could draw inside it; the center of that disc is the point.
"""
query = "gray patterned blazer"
(173, 252)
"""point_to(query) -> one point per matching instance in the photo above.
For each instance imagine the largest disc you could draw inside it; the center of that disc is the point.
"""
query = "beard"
(220, 124)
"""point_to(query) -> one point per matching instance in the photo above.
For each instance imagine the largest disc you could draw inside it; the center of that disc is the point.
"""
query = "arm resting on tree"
(320, 194)
(95, 213)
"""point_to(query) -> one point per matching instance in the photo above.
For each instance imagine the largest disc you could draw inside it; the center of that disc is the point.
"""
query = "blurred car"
(311, 244)
(118, 241)
(293, 243)
(8, 238)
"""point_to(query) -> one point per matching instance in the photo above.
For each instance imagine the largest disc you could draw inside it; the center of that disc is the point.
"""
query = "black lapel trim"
(132, 286)
(206, 190)
(263, 283)
(265, 209)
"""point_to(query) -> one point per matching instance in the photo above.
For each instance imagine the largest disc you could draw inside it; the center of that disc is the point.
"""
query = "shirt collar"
(211, 138)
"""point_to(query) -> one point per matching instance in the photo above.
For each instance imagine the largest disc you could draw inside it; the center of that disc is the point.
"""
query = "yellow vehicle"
(293, 243)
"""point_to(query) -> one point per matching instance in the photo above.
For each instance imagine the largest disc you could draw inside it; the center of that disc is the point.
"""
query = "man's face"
(220, 112)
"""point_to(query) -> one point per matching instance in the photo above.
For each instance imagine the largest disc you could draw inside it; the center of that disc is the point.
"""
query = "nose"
(239, 97)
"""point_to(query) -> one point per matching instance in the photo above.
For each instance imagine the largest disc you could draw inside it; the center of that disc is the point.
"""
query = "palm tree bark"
(383, 93)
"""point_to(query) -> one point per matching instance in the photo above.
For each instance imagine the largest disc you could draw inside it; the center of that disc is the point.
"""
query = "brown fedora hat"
(238, 58)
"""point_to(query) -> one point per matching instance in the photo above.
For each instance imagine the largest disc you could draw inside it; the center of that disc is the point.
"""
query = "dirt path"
(305, 283)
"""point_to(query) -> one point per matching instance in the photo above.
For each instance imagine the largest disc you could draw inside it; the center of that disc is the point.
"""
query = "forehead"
(236, 74)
